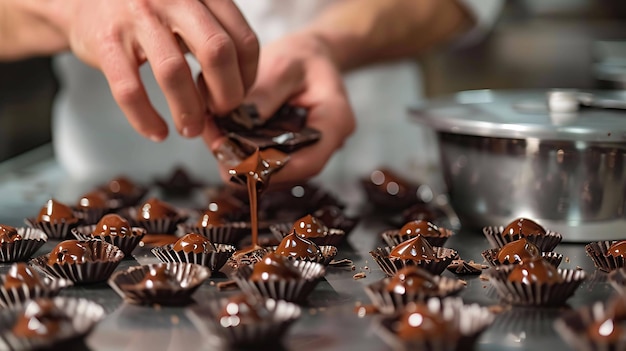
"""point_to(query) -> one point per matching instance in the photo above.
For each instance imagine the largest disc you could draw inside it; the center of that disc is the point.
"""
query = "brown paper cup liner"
(389, 302)
(544, 242)
(213, 260)
(335, 236)
(292, 290)
(248, 258)
(469, 320)
(84, 315)
(108, 257)
(230, 233)
(59, 230)
(598, 252)
(154, 226)
(125, 243)
(617, 279)
(17, 296)
(22, 250)
(188, 279)
(572, 328)
(268, 332)
(393, 237)
(534, 294)
(391, 266)
(491, 257)
(328, 254)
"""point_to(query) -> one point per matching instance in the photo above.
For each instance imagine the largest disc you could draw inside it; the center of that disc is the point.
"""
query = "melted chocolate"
(535, 270)
(94, 199)
(605, 331)
(518, 250)
(112, 225)
(21, 274)
(298, 247)
(419, 323)
(55, 211)
(8, 234)
(158, 277)
(156, 209)
(274, 267)
(617, 249)
(416, 249)
(195, 243)
(71, 252)
(424, 228)
(412, 280)
(241, 309)
(42, 318)
(524, 227)
(310, 227)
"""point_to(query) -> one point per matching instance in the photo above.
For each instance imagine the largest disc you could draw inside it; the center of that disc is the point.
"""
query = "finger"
(216, 53)
(122, 74)
(244, 38)
(173, 76)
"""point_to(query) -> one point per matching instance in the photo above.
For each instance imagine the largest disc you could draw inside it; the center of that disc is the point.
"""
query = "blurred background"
(534, 44)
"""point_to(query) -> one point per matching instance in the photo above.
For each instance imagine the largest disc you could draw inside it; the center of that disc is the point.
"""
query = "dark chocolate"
(420, 227)
(298, 247)
(518, 250)
(94, 199)
(70, 252)
(310, 227)
(21, 274)
(419, 323)
(523, 227)
(8, 234)
(618, 249)
(416, 249)
(535, 270)
(274, 267)
(156, 209)
(112, 225)
(42, 318)
(242, 309)
(194, 243)
(412, 280)
(55, 211)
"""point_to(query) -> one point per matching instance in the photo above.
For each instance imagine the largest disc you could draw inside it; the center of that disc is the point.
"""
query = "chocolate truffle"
(424, 228)
(412, 280)
(42, 318)
(21, 274)
(158, 277)
(112, 225)
(55, 211)
(241, 309)
(94, 199)
(274, 267)
(155, 209)
(310, 227)
(194, 243)
(70, 252)
(419, 323)
(8, 234)
(210, 219)
(298, 247)
(518, 250)
(535, 270)
(605, 331)
(617, 249)
(416, 249)
(524, 227)
(121, 186)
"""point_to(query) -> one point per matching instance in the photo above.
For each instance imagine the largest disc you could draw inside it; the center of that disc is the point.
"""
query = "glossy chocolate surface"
(156, 209)
(94, 199)
(298, 247)
(71, 252)
(259, 166)
(605, 331)
(241, 309)
(121, 186)
(158, 277)
(195, 243)
(416, 249)
(8, 234)
(55, 211)
(310, 227)
(42, 318)
(424, 228)
(412, 280)
(21, 274)
(518, 250)
(618, 249)
(419, 323)
(210, 219)
(112, 225)
(524, 227)
(535, 271)
(274, 267)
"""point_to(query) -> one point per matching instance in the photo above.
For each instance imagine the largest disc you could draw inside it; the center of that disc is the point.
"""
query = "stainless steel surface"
(328, 321)
(498, 163)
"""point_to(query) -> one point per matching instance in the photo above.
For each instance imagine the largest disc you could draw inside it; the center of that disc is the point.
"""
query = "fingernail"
(156, 138)
(191, 131)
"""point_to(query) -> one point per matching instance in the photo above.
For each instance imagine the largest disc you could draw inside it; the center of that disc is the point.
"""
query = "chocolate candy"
(210, 219)
(241, 309)
(416, 249)
(42, 318)
(424, 228)
(21, 274)
(95, 199)
(274, 267)
(298, 247)
(8, 234)
(55, 211)
(121, 187)
(70, 252)
(156, 209)
(605, 331)
(158, 277)
(194, 243)
(535, 270)
(518, 250)
(523, 227)
(412, 280)
(617, 249)
(419, 323)
(310, 227)
(112, 225)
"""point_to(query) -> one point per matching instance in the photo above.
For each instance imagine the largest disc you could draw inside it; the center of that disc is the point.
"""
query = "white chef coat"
(94, 142)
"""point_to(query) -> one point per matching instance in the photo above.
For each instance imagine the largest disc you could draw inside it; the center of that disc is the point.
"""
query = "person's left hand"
(298, 69)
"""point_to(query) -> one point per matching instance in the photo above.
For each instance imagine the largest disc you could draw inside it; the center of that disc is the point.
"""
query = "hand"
(298, 69)
(118, 36)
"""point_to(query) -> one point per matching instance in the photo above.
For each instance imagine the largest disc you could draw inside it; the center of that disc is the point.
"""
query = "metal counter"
(329, 321)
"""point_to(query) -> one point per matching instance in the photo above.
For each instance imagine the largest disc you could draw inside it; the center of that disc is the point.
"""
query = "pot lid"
(590, 115)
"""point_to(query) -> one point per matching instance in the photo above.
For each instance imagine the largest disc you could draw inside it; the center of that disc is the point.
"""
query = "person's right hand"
(118, 36)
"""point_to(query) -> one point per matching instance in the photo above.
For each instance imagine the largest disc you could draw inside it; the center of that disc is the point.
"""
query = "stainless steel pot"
(557, 157)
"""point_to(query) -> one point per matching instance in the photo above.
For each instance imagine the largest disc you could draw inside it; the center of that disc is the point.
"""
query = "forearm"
(360, 32)
(27, 29)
